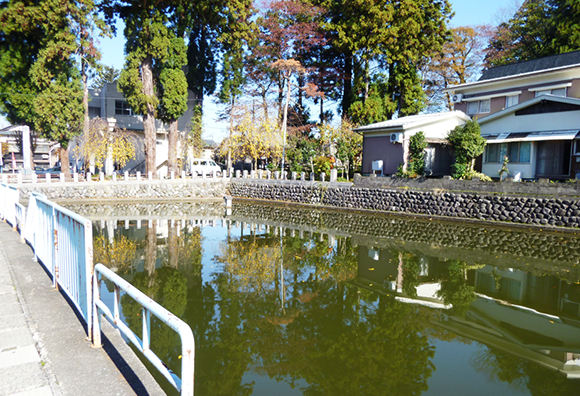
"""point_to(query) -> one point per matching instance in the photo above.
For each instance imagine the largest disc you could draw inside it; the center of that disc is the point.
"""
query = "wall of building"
(381, 148)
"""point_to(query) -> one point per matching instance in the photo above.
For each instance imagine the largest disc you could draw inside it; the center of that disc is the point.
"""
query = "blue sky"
(467, 12)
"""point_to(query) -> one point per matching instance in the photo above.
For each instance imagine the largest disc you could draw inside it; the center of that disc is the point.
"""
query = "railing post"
(55, 250)
(95, 314)
(146, 328)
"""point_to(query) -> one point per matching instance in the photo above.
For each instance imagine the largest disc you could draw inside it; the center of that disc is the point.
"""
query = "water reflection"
(298, 304)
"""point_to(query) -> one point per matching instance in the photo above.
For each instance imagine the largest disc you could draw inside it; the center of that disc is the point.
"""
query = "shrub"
(322, 164)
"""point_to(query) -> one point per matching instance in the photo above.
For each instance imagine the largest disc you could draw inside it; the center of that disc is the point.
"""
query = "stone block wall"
(145, 189)
(531, 210)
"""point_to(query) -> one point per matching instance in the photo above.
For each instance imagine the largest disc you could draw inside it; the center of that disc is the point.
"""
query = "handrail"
(63, 242)
(183, 385)
(9, 197)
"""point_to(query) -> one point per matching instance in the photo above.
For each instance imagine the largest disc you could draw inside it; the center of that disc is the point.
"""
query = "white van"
(203, 166)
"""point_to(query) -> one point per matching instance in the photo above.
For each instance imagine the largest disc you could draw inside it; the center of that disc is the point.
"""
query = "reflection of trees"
(454, 288)
(324, 333)
(168, 287)
(341, 346)
(521, 374)
(183, 249)
(119, 254)
(411, 270)
(251, 264)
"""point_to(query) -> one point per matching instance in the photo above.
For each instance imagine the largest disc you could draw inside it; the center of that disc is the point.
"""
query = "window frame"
(479, 106)
(122, 108)
(507, 100)
(503, 149)
(551, 92)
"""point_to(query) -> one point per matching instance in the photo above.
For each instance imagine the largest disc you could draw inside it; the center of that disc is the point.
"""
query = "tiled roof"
(546, 63)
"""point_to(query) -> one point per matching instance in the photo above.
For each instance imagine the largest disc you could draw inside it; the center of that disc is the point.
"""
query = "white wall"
(533, 123)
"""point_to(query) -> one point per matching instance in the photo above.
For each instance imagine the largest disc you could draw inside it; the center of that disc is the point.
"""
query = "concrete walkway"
(43, 344)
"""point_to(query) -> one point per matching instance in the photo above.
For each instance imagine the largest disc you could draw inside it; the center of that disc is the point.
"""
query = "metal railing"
(63, 242)
(183, 385)
(9, 197)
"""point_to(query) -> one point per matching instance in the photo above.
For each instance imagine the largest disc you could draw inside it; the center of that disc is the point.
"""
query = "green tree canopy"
(539, 28)
(466, 143)
(107, 75)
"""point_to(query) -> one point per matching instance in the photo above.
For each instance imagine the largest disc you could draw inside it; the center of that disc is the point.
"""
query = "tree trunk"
(64, 161)
(347, 85)
(172, 149)
(173, 245)
(366, 79)
(151, 253)
(149, 116)
(285, 120)
(85, 99)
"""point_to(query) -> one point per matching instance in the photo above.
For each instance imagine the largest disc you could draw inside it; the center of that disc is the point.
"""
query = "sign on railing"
(183, 385)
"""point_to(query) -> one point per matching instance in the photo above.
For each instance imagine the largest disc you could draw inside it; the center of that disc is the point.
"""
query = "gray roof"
(412, 121)
(546, 63)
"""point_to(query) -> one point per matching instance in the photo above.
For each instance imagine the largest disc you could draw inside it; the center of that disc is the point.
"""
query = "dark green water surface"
(287, 301)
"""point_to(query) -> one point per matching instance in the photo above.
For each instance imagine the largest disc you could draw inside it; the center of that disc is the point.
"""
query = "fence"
(9, 197)
(63, 242)
(19, 178)
(185, 385)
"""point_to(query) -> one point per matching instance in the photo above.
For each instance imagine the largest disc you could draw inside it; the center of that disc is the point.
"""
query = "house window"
(517, 152)
(485, 106)
(511, 101)
(122, 108)
(576, 147)
(492, 153)
(94, 112)
(479, 106)
(555, 92)
(472, 107)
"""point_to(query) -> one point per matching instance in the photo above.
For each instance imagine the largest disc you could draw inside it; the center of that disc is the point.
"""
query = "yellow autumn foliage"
(121, 254)
(254, 136)
(100, 142)
(252, 266)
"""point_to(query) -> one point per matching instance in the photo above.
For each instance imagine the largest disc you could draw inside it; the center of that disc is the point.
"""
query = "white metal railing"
(9, 197)
(63, 242)
(184, 384)
(77, 178)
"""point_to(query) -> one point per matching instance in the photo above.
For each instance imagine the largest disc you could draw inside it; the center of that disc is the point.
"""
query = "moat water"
(288, 301)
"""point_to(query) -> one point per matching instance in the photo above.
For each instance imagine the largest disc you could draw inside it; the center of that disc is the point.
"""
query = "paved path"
(43, 344)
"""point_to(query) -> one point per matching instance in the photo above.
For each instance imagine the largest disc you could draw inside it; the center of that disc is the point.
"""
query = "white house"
(540, 137)
(530, 112)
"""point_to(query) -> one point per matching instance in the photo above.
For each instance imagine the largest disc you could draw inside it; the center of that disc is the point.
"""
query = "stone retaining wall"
(530, 210)
(472, 243)
(149, 189)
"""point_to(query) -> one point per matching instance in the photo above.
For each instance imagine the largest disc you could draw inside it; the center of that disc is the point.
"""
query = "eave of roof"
(512, 77)
(405, 123)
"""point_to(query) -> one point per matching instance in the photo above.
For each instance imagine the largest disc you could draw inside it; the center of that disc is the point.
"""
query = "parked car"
(54, 171)
(204, 166)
